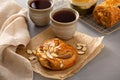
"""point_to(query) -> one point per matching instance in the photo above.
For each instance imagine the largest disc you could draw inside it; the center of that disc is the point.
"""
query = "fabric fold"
(13, 32)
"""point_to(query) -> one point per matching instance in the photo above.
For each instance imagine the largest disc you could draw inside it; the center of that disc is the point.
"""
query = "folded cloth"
(13, 32)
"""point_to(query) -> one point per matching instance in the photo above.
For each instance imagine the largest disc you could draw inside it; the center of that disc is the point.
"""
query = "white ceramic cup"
(40, 17)
(62, 29)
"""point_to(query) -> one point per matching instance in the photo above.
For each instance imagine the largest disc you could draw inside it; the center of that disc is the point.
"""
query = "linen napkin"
(13, 32)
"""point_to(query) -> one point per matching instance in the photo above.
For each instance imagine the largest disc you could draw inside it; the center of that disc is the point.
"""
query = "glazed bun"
(55, 54)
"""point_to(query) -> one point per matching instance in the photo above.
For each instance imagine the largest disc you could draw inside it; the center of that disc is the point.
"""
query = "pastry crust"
(107, 13)
(55, 54)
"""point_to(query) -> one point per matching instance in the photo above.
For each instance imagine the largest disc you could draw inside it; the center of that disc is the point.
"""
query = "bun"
(55, 54)
(107, 13)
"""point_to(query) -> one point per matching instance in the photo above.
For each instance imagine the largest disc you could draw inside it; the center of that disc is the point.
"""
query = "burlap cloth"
(13, 32)
(94, 47)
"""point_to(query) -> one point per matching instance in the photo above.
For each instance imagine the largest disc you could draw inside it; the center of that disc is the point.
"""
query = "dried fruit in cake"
(107, 13)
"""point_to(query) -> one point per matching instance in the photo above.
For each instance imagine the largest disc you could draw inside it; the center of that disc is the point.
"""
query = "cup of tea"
(64, 22)
(39, 11)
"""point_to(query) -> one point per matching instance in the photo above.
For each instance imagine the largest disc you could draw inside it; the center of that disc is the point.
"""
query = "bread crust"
(55, 54)
(107, 13)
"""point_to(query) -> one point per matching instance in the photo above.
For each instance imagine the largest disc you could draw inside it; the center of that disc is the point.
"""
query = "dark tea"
(64, 16)
(40, 4)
